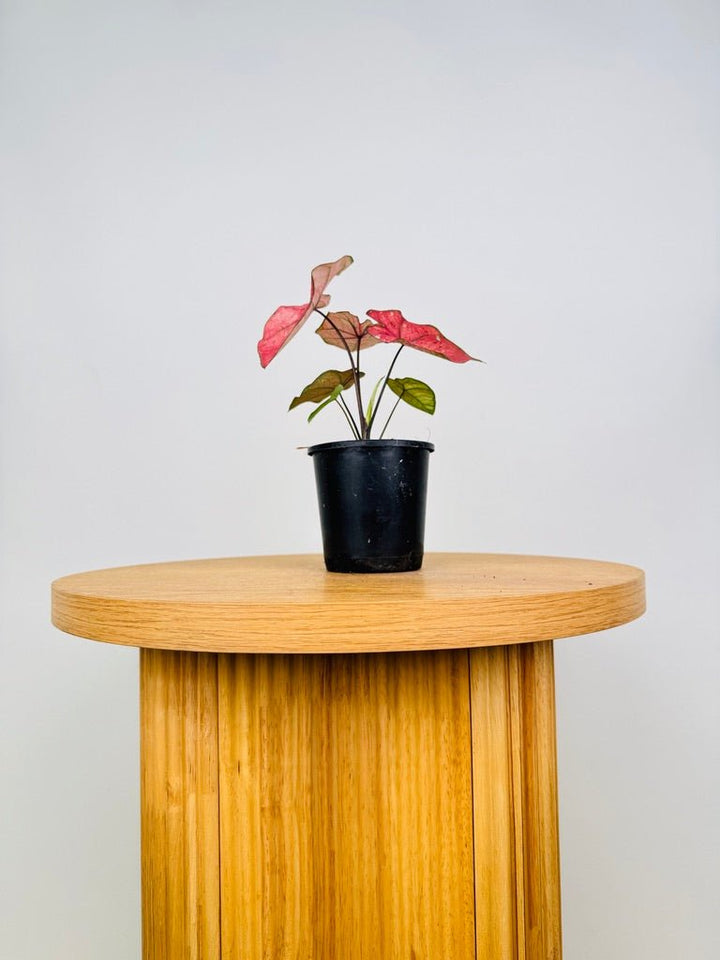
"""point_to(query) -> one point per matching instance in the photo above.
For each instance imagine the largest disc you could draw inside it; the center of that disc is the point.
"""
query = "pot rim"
(369, 444)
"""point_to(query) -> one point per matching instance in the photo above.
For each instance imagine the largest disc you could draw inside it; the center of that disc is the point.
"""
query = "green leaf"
(414, 392)
(323, 386)
(371, 404)
(333, 396)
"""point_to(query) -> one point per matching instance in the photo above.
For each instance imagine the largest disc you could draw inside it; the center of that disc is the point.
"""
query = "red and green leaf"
(391, 327)
(286, 321)
(345, 329)
(414, 392)
(323, 386)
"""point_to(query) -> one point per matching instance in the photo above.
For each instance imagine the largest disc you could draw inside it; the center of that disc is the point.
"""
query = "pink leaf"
(286, 321)
(392, 327)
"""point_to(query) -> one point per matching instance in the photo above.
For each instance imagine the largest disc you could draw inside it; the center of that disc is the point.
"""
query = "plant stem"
(348, 416)
(364, 430)
(382, 390)
(390, 417)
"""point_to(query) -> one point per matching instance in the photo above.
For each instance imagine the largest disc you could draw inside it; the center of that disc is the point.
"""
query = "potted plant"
(371, 491)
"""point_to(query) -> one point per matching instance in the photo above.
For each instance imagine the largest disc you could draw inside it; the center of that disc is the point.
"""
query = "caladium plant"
(347, 332)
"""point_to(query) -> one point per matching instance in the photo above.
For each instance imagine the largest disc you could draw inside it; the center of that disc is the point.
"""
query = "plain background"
(539, 180)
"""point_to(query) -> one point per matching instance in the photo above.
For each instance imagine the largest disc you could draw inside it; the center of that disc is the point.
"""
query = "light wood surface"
(291, 604)
(346, 807)
(179, 790)
(517, 859)
(391, 797)
(373, 806)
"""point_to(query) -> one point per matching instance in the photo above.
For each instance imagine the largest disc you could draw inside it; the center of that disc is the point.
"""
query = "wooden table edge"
(397, 625)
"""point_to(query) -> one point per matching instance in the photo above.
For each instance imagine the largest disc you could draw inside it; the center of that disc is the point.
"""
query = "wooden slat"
(346, 807)
(179, 806)
(494, 822)
(517, 865)
(534, 675)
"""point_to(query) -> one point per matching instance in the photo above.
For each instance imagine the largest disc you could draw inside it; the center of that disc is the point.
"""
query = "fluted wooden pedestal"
(342, 767)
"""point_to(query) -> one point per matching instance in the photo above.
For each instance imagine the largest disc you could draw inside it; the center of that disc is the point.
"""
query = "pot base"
(403, 564)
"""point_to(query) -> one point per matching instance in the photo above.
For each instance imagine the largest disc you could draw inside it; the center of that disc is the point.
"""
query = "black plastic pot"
(371, 495)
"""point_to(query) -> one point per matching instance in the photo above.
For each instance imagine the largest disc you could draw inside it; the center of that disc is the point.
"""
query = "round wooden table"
(337, 767)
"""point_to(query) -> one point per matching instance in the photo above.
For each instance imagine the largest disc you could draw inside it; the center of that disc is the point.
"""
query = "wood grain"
(292, 605)
(179, 806)
(342, 803)
(517, 859)
(355, 806)
(346, 807)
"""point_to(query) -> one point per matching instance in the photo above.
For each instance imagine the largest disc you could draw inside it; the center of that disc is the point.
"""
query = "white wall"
(540, 180)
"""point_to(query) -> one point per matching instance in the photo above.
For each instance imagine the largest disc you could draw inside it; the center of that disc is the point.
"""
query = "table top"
(290, 604)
